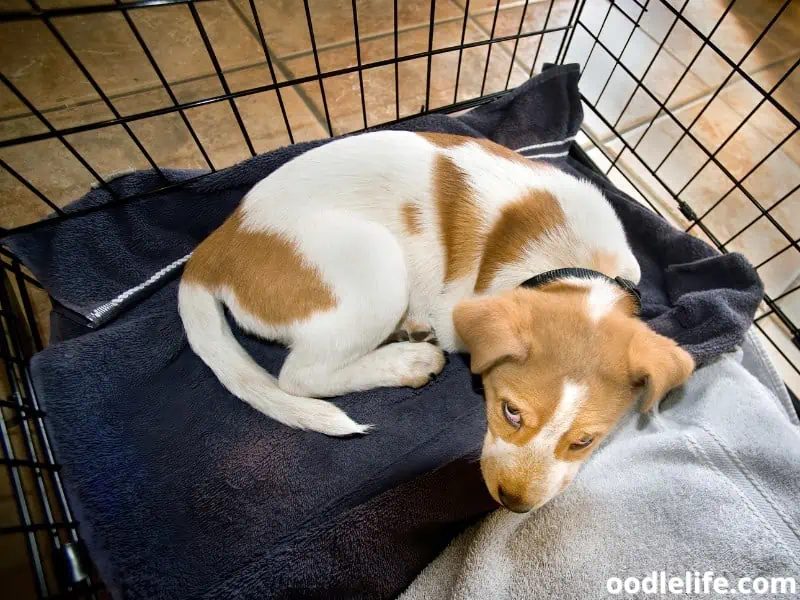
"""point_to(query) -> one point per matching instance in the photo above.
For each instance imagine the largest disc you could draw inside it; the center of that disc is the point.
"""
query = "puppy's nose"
(512, 502)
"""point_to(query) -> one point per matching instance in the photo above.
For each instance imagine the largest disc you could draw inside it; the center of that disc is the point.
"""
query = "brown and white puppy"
(560, 365)
(345, 244)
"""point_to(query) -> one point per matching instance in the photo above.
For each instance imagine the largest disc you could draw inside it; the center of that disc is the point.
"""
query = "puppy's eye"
(512, 414)
(584, 442)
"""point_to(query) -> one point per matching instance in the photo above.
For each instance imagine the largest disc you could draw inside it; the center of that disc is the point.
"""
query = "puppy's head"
(560, 365)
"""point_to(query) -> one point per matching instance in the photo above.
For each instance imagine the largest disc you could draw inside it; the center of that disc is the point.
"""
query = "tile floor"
(698, 87)
(727, 117)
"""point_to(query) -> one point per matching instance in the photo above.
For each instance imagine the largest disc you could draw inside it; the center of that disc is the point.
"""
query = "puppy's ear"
(490, 329)
(658, 365)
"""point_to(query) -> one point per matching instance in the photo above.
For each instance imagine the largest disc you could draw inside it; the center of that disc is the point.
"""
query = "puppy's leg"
(337, 352)
(413, 330)
(403, 364)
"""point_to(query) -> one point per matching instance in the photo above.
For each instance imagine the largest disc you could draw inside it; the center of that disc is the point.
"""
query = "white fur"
(212, 339)
(602, 296)
(341, 205)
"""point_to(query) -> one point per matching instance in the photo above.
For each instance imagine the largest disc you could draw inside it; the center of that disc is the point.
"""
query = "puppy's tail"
(212, 340)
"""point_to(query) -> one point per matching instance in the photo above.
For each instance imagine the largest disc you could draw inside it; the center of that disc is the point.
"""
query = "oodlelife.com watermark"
(696, 583)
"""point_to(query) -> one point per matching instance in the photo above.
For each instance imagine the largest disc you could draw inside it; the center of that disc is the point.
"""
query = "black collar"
(575, 272)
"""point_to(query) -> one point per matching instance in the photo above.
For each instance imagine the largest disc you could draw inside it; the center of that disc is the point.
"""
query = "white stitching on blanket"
(102, 310)
(753, 481)
(695, 447)
(778, 388)
(551, 155)
(547, 144)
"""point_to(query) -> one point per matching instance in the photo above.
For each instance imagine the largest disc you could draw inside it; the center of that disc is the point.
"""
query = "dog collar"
(575, 272)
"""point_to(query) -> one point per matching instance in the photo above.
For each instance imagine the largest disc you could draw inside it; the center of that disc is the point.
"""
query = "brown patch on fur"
(459, 219)
(520, 223)
(445, 140)
(604, 262)
(412, 218)
(448, 140)
(266, 272)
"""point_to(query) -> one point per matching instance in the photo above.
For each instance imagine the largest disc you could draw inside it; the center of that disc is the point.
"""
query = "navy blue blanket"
(183, 491)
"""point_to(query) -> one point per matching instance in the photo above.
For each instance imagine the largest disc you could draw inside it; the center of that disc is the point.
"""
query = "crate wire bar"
(45, 526)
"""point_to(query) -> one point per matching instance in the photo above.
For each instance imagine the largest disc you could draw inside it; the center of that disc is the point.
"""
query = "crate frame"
(58, 563)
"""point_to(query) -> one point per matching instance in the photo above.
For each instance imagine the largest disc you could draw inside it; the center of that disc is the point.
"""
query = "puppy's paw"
(418, 362)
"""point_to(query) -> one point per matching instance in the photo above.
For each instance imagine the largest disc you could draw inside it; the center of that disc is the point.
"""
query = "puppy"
(340, 247)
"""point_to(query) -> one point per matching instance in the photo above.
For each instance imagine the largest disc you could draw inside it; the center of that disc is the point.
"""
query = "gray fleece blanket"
(710, 484)
(183, 491)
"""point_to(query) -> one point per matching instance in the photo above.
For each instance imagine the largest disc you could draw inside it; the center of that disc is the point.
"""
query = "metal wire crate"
(405, 58)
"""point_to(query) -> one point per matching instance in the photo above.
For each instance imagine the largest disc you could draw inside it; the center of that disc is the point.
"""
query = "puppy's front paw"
(418, 362)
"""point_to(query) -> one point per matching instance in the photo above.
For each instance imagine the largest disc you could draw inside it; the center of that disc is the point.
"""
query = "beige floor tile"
(650, 191)
(108, 49)
(787, 213)
(614, 89)
(710, 186)
(733, 214)
(177, 46)
(790, 304)
(20, 206)
(779, 273)
(479, 7)
(510, 14)
(594, 14)
(769, 182)
(777, 333)
(774, 179)
(728, 218)
(110, 150)
(35, 63)
(758, 243)
(51, 4)
(742, 97)
(21, 5)
(63, 180)
(285, 24)
(535, 18)
(734, 35)
(663, 147)
(106, 46)
(343, 93)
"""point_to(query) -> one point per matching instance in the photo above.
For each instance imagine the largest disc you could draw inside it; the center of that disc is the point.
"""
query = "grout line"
(471, 18)
(692, 101)
(686, 103)
(134, 92)
(284, 70)
(518, 60)
(371, 37)
(276, 60)
(408, 29)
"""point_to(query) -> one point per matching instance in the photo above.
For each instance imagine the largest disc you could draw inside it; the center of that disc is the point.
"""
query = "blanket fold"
(184, 491)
